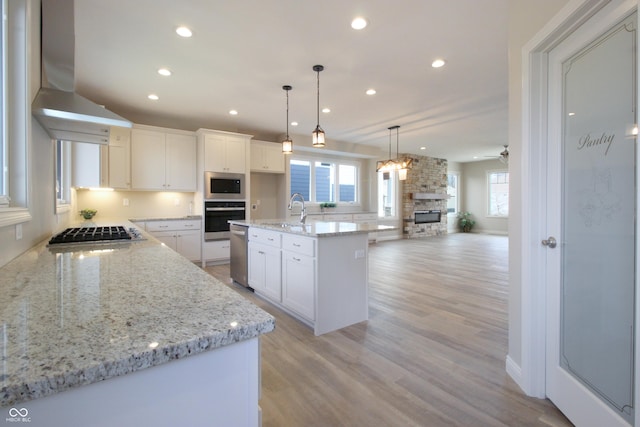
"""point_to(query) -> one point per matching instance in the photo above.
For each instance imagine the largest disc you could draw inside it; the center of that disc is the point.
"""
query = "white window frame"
(63, 204)
(16, 111)
(395, 183)
(457, 196)
(489, 173)
(336, 163)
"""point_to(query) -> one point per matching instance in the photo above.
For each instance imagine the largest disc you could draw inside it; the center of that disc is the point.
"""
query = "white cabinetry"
(323, 280)
(264, 263)
(120, 158)
(218, 251)
(183, 236)
(163, 160)
(299, 275)
(267, 157)
(89, 165)
(224, 151)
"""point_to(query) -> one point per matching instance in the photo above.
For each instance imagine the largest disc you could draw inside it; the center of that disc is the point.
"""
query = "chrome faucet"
(303, 212)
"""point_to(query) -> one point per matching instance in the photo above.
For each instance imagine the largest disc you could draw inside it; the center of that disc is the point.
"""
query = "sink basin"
(293, 226)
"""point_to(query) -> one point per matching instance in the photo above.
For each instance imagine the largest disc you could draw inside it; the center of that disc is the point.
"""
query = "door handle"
(550, 242)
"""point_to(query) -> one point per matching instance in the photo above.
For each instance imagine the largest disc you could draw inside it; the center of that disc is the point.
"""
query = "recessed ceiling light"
(572, 114)
(438, 63)
(233, 112)
(423, 148)
(294, 123)
(153, 97)
(184, 32)
(371, 92)
(358, 23)
(164, 72)
(326, 110)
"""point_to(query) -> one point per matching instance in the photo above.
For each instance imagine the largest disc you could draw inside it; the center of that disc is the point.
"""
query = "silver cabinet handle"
(550, 242)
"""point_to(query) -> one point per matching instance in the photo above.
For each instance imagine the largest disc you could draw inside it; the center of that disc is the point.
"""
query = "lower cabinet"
(264, 270)
(216, 251)
(181, 236)
(298, 283)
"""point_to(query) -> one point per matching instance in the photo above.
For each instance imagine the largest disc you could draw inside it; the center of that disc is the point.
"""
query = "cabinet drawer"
(301, 245)
(266, 237)
(216, 250)
(173, 225)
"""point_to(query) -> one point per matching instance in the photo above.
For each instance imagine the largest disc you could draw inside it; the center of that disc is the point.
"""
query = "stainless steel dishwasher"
(239, 236)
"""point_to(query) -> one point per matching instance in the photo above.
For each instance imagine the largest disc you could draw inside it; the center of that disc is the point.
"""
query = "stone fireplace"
(425, 190)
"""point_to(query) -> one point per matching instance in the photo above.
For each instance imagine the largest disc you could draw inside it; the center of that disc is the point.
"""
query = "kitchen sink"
(293, 226)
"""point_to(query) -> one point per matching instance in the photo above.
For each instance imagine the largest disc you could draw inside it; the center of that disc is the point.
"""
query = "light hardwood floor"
(432, 353)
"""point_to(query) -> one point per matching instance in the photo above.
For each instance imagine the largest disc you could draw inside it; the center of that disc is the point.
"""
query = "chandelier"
(400, 164)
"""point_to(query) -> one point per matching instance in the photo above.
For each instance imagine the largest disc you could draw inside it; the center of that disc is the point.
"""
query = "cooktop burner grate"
(91, 234)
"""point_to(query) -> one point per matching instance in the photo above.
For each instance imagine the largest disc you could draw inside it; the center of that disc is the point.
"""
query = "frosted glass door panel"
(598, 224)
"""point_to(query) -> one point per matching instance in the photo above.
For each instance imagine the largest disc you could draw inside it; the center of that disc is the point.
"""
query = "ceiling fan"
(503, 156)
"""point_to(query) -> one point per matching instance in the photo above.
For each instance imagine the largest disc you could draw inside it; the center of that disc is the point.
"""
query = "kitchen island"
(125, 334)
(316, 272)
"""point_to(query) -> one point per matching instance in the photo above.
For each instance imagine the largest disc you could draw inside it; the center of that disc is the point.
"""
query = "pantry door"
(591, 243)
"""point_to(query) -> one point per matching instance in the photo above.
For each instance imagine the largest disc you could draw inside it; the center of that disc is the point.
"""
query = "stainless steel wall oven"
(216, 216)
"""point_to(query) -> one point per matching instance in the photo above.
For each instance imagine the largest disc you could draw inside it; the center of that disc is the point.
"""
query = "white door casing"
(530, 374)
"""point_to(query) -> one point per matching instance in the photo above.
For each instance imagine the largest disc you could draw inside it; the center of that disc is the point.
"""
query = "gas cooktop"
(116, 233)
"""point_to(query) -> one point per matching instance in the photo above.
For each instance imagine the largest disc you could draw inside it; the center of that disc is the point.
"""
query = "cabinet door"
(180, 172)
(257, 156)
(215, 151)
(166, 237)
(120, 158)
(298, 283)
(147, 160)
(188, 244)
(273, 159)
(264, 270)
(88, 165)
(236, 155)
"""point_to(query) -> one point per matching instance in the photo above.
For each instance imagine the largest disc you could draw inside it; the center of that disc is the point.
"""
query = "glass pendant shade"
(287, 144)
(318, 137)
(402, 174)
(318, 133)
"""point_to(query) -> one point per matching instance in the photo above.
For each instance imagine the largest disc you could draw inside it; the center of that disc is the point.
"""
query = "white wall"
(142, 204)
(40, 173)
(526, 18)
(474, 197)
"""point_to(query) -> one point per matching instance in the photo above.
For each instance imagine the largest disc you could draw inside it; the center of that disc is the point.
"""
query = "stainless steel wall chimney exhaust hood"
(70, 117)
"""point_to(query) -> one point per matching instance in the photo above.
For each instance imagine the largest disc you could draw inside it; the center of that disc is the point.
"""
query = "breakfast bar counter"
(81, 325)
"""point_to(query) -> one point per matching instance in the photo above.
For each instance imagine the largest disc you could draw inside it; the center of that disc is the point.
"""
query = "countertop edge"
(48, 386)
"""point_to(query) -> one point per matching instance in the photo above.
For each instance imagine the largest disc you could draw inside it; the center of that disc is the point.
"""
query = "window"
(14, 112)
(63, 172)
(453, 192)
(498, 184)
(387, 194)
(324, 181)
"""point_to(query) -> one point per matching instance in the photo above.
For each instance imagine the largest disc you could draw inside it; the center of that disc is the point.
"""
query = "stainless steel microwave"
(224, 186)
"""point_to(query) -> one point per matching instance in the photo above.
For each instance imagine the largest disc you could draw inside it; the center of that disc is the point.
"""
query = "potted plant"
(88, 213)
(325, 205)
(465, 222)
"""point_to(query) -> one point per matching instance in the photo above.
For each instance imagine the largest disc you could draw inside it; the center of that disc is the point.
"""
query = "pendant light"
(287, 144)
(400, 164)
(318, 133)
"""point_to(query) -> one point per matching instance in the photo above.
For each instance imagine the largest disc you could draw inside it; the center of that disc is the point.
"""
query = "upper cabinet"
(120, 158)
(224, 151)
(89, 165)
(162, 159)
(267, 157)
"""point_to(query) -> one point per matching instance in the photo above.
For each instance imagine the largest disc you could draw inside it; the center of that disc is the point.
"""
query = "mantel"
(429, 196)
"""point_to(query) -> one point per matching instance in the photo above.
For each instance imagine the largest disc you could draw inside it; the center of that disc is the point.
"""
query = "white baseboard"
(514, 371)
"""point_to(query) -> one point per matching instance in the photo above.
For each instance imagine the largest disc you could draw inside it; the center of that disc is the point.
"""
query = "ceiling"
(242, 52)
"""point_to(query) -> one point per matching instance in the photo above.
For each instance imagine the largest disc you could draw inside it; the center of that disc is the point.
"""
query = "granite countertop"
(75, 318)
(315, 228)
